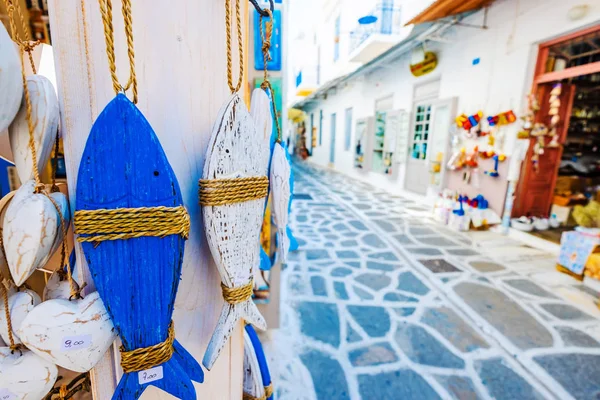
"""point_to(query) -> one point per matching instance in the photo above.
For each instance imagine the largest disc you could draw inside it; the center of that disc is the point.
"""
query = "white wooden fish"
(30, 227)
(24, 375)
(19, 304)
(11, 85)
(237, 149)
(253, 384)
(72, 334)
(44, 115)
(280, 192)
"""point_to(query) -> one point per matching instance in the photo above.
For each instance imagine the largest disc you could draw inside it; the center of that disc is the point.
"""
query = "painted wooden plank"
(239, 148)
(257, 376)
(124, 166)
(11, 86)
(182, 120)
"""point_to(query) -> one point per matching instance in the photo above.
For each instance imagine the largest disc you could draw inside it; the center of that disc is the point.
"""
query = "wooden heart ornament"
(73, 334)
(44, 115)
(11, 86)
(24, 375)
(29, 231)
(20, 304)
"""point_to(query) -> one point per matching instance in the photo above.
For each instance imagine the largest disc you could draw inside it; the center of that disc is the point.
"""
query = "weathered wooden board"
(44, 115)
(25, 376)
(11, 86)
(124, 166)
(237, 149)
(182, 120)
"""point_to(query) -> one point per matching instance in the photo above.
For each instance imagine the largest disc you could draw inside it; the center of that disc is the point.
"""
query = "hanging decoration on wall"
(426, 66)
(529, 116)
(133, 234)
(232, 193)
(257, 378)
(11, 89)
(553, 112)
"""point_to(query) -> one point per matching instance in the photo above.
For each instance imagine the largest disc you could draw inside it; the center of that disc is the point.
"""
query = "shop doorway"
(566, 179)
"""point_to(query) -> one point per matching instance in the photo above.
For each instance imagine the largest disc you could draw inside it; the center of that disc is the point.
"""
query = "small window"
(348, 129)
(421, 132)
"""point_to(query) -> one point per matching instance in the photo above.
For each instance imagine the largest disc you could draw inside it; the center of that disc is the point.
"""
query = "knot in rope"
(147, 357)
(239, 294)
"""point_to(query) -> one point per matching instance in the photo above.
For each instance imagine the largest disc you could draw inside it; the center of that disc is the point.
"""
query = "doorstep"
(534, 241)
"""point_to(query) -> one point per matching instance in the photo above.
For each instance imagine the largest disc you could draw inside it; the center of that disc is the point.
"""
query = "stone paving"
(380, 302)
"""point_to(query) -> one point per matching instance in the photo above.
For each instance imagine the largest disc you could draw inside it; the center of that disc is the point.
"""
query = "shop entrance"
(563, 182)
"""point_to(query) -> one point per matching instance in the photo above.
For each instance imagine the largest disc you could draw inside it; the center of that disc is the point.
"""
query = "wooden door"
(535, 191)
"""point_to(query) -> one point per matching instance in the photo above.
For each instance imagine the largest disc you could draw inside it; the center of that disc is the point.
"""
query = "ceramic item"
(44, 115)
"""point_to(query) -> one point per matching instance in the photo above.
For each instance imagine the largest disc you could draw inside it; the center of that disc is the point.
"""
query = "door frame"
(541, 77)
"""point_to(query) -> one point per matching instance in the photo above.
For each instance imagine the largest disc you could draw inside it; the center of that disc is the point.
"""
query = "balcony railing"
(388, 22)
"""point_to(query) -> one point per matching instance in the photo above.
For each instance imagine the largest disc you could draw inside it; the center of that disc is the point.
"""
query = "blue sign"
(275, 63)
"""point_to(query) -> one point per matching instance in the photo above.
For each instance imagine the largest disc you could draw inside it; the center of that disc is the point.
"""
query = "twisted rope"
(148, 357)
(266, 47)
(238, 15)
(127, 223)
(268, 393)
(219, 192)
(109, 38)
(237, 295)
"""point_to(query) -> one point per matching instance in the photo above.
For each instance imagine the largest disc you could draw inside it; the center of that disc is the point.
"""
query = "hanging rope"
(66, 391)
(238, 15)
(266, 34)
(109, 37)
(9, 327)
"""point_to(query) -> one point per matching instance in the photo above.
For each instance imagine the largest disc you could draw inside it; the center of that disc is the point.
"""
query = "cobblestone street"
(381, 302)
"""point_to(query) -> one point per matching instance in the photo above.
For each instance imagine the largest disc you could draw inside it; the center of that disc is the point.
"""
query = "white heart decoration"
(25, 376)
(63, 205)
(11, 86)
(44, 114)
(29, 231)
(57, 289)
(20, 304)
(73, 334)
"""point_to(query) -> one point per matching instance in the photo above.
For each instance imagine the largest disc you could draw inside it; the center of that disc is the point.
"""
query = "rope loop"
(148, 357)
(237, 295)
(238, 14)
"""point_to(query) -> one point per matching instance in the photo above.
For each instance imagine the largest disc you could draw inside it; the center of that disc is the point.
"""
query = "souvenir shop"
(116, 201)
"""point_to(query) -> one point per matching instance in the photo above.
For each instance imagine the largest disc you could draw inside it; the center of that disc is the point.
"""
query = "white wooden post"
(181, 70)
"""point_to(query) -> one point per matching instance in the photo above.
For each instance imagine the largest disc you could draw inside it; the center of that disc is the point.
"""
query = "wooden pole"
(181, 70)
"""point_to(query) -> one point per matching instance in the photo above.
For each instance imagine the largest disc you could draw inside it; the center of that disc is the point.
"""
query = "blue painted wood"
(260, 357)
(276, 59)
(124, 165)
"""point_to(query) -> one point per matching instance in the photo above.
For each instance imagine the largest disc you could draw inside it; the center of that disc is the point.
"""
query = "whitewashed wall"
(507, 53)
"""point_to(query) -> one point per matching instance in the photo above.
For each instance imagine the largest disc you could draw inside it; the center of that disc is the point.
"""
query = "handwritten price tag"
(70, 343)
(150, 375)
(6, 394)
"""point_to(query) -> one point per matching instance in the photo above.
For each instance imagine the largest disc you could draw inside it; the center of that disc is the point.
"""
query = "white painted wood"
(236, 150)
(182, 121)
(4, 202)
(19, 304)
(11, 86)
(63, 205)
(54, 329)
(25, 375)
(29, 230)
(44, 114)
(280, 189)
(59, 289)
(252, 378)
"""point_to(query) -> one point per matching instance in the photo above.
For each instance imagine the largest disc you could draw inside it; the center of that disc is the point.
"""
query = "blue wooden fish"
(259, 354)
(124, 165)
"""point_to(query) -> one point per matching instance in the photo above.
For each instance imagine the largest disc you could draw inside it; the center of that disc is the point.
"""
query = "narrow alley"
(381, 302)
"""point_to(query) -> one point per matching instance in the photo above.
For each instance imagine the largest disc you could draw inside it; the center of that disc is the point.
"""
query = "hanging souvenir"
(20, 304)
(554, 114)
(257, 378)
(11, 86)
(232, 193)
(43, 114)
(24, 375)
(132, 225)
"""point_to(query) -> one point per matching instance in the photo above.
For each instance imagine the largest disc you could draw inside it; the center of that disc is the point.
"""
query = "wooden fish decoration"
(280, 187)
(44, 115)
(24, 375)
(123, 165)
(11, 85)
(236, 150)
(257, 378)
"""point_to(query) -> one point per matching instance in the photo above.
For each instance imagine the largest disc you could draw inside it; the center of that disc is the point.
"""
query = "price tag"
(150, 375)
(70, 343)
(6, 394)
